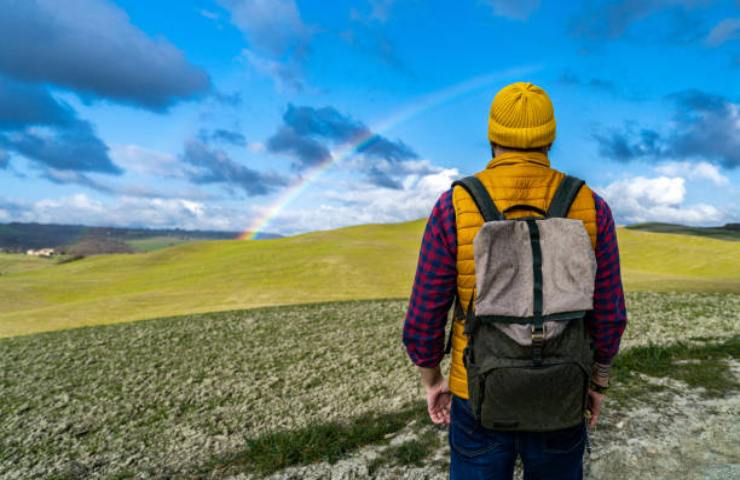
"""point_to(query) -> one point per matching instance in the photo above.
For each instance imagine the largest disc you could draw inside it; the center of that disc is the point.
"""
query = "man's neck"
(501, 150)
(515, 157)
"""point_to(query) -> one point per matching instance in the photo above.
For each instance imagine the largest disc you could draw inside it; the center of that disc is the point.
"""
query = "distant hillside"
(362, 262)
(18, 236)
(97, 245)
(731, 231)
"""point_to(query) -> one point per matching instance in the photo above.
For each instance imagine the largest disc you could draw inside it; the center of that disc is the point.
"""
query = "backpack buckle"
(538, 334)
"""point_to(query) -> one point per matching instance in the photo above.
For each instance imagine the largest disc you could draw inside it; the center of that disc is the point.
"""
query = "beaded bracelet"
(598, 388)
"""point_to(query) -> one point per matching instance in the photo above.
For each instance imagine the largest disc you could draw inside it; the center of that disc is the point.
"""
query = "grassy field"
(364, 262)
(354, 263)
(253, 391)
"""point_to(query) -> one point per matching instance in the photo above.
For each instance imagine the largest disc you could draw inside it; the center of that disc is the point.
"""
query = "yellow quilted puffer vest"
(511, 178)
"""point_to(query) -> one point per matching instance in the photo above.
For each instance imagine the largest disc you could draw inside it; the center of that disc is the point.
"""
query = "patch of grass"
(12, 263)
(415, 451)
(699, 366)
(316, 442)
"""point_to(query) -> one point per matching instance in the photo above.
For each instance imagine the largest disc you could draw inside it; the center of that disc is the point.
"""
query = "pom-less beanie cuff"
(518, 137)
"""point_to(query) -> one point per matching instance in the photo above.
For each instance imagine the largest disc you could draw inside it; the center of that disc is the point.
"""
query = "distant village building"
(41, 252)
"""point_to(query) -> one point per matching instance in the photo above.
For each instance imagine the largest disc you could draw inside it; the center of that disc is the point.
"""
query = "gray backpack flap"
(529, 356)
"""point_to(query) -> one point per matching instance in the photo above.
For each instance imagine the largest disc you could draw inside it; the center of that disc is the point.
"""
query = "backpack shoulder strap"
(480, 195)
(564, 196)
(457, 314)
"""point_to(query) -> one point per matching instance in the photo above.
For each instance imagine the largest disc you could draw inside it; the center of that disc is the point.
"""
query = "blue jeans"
(478, 453)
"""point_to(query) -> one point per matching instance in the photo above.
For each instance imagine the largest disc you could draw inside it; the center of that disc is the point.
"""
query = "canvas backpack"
(528, 356)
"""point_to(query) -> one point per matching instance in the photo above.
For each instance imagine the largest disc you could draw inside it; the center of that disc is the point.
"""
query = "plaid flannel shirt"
(435, 287)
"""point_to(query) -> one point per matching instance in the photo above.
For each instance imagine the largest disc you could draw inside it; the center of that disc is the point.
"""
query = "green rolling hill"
(731, 231)
(363, 262)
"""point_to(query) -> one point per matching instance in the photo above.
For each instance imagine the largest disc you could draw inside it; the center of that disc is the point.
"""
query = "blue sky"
(236, 114)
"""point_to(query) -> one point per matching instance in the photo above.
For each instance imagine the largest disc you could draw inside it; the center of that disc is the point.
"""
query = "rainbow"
(348, 148)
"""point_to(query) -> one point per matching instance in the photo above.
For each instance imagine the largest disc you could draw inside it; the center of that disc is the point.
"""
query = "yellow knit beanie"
(521, 117)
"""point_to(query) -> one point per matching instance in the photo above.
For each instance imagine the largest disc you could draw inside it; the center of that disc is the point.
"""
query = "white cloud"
(146, 161)
(77, 202)
(278, 38)
(286, 75)
(154, 166)
(693, 171)
(256, 147)
(274, 27)
(210, 15)
(726, 30)
(660, 199)
(126, 211)
(650, 191)
(368, 203)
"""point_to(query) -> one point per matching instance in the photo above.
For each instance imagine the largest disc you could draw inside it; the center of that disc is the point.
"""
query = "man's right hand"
(594, 407)
(439, 397)
(438, 402)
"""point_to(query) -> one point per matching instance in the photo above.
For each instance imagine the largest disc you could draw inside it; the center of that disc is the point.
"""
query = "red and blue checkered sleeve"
(434, 286)
(607, 320)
